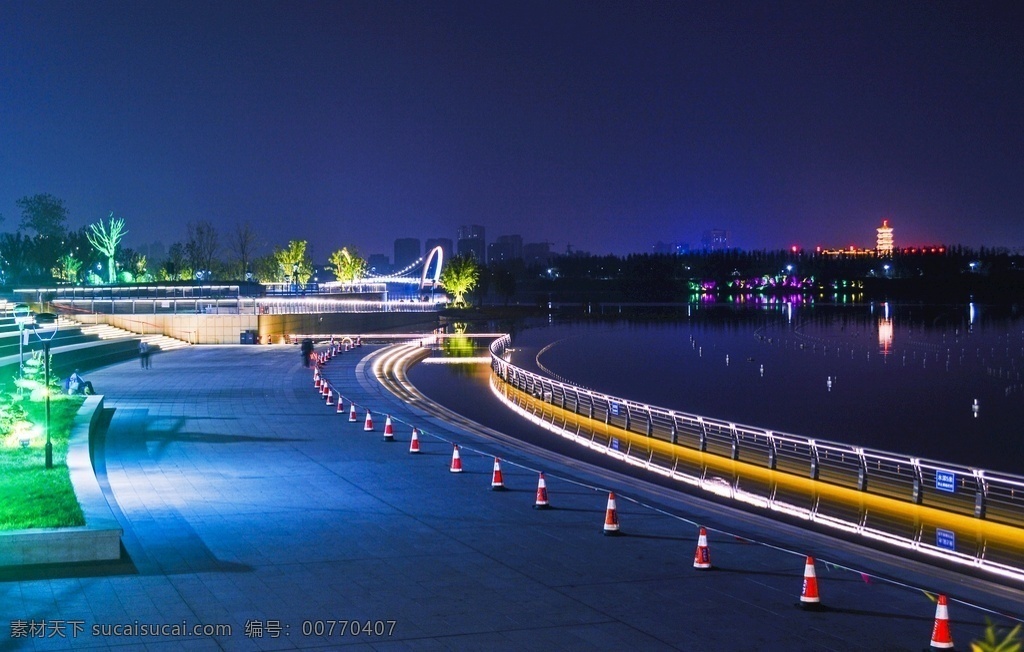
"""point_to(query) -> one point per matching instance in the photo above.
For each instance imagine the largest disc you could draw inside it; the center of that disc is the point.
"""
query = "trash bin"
(247, 337)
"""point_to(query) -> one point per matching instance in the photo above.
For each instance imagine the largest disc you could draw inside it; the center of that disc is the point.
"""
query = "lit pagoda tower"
(883, 243)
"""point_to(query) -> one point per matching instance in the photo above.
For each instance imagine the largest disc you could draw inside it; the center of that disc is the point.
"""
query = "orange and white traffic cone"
(497, 483)
(368, 423)
(414, 442)
(702, 557)
(542, 494)
(389, 430)
(352, 413)
(330, 396)
(341, 406)
(809, 598)
(456, 466)
(611, 516)
(941, 638)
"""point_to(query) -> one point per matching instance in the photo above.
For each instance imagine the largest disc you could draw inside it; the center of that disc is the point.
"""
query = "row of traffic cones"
(810, 598)
(497, 479)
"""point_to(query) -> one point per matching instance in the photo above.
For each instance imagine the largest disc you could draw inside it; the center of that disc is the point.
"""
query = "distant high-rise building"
(471, 242)
(407, 251)
(537, 254)
(715, 240)
(883, 240)
(446, 244)
(379, 263)
(505, 249)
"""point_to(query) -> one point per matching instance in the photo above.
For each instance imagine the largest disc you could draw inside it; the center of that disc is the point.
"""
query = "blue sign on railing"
(613, 408)
(945, 539)
(945, 481)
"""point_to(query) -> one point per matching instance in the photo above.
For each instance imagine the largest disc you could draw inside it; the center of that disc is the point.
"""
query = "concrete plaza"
(248, 502)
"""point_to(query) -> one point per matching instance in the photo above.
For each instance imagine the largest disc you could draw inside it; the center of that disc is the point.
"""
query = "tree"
(105, 240)
(458, 277)
(294, 263)
(44, 214)
(67, 268)
(175, 267)
(347, 266)
(243, 245)
(504, 284)
(14, 252)
(266, 269)
(47, 217)
(201, 247)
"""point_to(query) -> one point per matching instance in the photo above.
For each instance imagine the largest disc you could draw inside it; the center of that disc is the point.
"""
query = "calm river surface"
(890, 377)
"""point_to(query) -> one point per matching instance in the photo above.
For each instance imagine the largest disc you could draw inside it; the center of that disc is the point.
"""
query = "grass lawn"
(30, 495)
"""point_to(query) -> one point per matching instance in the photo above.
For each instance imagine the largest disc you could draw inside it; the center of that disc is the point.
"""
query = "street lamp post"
(22, 317)
(46, 362)
(46, 390)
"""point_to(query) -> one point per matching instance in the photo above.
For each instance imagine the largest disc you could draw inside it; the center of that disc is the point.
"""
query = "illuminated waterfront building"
(884, 242)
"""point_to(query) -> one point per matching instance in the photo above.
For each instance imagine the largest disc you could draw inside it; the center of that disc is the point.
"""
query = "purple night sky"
(607, 125)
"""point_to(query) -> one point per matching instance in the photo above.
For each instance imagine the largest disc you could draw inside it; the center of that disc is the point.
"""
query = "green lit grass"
(30, 495)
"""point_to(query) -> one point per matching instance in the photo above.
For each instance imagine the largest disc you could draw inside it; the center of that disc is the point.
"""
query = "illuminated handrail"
(960, 513)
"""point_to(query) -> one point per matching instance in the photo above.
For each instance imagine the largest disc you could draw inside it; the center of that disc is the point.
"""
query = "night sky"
(607, 126)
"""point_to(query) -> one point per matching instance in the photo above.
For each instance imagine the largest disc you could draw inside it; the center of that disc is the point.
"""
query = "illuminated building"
(883, 246)
(715, 240)
(852, 252)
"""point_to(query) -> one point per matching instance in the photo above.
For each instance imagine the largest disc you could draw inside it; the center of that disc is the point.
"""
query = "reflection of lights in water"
(828, 383)
(975, 408)
(885, 335)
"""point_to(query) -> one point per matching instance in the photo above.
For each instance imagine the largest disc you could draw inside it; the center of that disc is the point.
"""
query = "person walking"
(144, 354)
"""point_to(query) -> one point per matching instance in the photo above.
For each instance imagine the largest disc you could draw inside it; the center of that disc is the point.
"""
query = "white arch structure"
(436, 251)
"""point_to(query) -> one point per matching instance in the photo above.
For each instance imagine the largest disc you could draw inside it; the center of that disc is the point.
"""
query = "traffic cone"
(389, 431)
(941, 638)
(809, 593)
(542, 494)
(456, 466)
(341, 406)
(702, 558)
(368, 424)
(330, 396)
(414, 442)
(497, 483)
(352, 413)
(611, 516)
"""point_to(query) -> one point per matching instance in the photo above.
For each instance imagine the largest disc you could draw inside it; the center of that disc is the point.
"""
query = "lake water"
(890, 377)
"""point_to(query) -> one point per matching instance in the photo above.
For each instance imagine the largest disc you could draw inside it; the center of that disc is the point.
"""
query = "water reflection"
(884, 336)
(823, 380)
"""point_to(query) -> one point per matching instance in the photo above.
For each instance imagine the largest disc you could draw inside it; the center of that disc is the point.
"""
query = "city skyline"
(606, 127)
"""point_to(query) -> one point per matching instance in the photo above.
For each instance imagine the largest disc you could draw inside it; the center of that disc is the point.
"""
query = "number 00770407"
(348, 627)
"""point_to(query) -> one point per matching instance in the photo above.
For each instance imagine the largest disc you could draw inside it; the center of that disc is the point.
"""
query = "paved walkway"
(247, 502)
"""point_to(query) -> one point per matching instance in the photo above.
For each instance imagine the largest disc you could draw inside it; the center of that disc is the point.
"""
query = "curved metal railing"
(957, 512)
